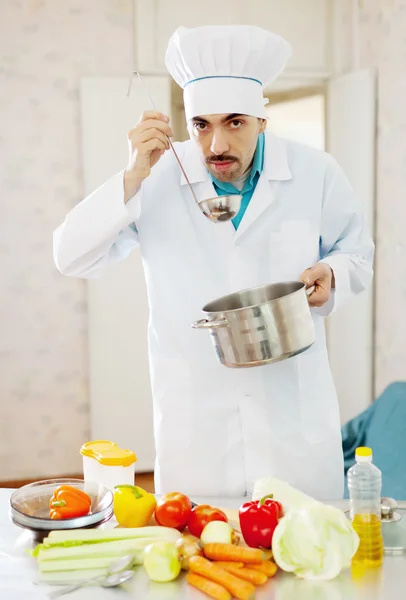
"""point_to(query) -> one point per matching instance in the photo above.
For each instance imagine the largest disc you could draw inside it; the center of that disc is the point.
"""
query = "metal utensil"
(259, 326)
(389, 512)
(29, 506)
(217, 209)
(118, 572)
(221, 208)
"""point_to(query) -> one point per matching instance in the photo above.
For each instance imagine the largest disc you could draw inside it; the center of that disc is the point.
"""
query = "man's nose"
(219, 144)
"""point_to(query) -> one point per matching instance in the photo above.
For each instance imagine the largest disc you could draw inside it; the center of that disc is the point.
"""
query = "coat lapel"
(276, 168)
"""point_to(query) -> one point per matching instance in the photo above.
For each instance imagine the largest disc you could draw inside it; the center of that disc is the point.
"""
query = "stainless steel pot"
(261, 325)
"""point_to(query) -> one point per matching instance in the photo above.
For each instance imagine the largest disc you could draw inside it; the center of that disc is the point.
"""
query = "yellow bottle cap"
(363, 451)
(108, 453)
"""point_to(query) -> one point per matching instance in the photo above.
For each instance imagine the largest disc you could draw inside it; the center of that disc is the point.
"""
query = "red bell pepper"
(258, 521)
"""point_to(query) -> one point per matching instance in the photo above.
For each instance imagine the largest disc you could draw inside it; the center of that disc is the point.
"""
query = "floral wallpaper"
(382, 36)
(45, 47)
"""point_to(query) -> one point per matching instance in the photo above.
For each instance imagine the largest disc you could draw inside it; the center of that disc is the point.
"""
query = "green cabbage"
(313, 540)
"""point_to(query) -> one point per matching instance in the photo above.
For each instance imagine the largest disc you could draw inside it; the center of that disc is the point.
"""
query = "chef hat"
(223, 69)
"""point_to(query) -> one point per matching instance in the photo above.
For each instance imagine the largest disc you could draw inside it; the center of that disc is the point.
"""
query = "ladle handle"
(170, 143)
(183, 171)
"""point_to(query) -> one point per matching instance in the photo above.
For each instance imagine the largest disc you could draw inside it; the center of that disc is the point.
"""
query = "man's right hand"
(147, 142)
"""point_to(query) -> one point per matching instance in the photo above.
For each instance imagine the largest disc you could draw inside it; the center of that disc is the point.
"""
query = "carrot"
(228, 563)
(214, 590)
(229, 552)
(243, 590)
(267, 566)
(254, 577)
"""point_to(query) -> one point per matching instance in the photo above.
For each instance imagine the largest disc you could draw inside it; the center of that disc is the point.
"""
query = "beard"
(230, 174)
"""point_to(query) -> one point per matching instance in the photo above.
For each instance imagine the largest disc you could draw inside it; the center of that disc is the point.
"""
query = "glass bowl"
(29, 506)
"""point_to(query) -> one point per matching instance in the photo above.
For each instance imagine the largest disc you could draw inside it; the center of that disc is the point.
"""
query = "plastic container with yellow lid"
(107, 464)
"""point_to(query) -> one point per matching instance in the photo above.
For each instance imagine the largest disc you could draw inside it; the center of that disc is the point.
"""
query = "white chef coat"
(217, 429)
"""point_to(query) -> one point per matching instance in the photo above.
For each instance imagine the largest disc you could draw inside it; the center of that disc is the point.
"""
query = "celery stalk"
(90, 550)
(91, 536)
(81, 564)
(116, 548)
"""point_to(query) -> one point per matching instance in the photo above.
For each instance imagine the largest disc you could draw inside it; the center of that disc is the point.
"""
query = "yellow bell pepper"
(133, 506)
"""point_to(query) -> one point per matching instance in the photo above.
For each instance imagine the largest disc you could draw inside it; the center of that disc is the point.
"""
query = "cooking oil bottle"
(365, 486)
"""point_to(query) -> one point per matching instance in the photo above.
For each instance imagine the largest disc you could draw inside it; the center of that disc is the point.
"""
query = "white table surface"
(18, 572)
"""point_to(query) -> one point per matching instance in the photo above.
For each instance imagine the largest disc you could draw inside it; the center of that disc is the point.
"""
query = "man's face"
(227, 143)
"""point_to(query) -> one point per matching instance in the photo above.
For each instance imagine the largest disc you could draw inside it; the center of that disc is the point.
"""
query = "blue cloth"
(382, 427)
(223, 188)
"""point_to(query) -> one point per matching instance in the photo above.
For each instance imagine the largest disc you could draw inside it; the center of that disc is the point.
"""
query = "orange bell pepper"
(69, 502)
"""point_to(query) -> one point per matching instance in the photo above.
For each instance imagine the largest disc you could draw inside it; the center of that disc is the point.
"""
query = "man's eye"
(200, 126)
(235, 124)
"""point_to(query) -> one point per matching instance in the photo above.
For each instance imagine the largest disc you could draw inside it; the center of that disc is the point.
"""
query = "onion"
(161, 562)
(187, 546)
(217, 532)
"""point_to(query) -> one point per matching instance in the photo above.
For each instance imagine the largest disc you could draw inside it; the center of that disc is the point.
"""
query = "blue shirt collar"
(256, 169)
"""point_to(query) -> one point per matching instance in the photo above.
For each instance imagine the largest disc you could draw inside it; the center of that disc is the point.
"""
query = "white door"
(120, 393)
(351, 139)
(301, 119)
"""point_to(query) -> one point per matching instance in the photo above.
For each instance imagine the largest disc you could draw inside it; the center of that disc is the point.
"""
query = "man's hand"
(147, 142)
(322, 277)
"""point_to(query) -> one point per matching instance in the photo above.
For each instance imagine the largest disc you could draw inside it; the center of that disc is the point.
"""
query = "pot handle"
(205, 324)
(310, 290)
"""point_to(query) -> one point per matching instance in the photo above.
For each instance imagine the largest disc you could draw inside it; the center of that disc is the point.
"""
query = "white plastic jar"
(107, 464)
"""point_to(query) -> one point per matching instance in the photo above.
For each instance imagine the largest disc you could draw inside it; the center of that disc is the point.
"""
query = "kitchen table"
(18, 573)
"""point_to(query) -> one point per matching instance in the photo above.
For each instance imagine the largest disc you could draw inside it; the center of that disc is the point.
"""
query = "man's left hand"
(322, 277)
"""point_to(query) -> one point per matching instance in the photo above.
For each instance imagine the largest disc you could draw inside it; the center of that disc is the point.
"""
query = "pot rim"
(233, 310)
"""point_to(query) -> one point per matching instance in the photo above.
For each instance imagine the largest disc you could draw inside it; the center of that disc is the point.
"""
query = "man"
(216, 429)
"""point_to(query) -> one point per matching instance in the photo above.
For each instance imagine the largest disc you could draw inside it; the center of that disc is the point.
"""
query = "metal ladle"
(217, 209)
(119, 572)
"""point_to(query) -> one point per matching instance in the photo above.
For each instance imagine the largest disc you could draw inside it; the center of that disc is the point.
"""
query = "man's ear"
(262, 125)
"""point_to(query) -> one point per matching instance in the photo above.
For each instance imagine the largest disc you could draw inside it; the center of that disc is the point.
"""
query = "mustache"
(221, 158)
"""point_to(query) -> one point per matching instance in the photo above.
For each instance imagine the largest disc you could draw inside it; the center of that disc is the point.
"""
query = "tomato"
(173, 510)
(203, 514)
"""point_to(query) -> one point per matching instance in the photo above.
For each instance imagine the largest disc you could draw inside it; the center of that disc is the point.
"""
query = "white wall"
(120, 391)
(300, 119)
(305, 23)
(45, 48)
(382, 43)
(351, 139)
(375, 36)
